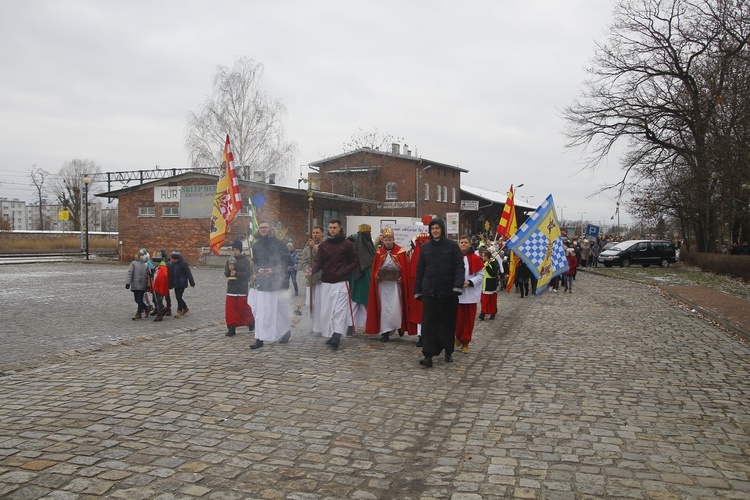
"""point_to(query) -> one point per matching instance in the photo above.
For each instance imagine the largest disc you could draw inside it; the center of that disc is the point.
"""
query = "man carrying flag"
(539, 245)
(227, 201)
(507, 228)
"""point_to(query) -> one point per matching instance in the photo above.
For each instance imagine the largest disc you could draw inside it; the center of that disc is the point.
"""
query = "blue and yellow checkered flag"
(539, 244)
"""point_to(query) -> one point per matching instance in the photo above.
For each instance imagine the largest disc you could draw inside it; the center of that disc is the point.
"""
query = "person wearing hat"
(386, 304)
(271, 304)
(360, 278)
(179, 278)
(438, 284)
(160, 285)
(238, 271)
(570, 274)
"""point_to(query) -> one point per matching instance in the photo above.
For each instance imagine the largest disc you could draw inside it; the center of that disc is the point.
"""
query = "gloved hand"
(458, 291)
(127, 287)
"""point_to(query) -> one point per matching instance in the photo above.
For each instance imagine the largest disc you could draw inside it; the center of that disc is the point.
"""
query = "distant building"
(14, 213)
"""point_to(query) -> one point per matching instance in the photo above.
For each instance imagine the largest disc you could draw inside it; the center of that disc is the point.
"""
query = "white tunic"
(271, 311)
(472, 294)
(389, 294)
(334, 307)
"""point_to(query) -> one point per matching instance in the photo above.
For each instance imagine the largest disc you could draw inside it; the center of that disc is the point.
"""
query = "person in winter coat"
(238, 272)
(160, 285)
(137, 282)
(179, 278)
(439, 282)
(570, 273)
(270, 304)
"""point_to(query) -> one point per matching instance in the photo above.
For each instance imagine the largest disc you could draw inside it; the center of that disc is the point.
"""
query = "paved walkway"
(607, 392)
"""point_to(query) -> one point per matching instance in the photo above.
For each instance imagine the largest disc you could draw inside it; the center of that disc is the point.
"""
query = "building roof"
(494, 196)
(416, 159)
(213, 179)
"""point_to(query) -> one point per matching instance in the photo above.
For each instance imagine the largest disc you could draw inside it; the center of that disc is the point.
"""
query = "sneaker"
(554, 290)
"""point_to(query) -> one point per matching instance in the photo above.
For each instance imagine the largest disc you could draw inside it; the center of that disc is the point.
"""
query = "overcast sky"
(477, 84)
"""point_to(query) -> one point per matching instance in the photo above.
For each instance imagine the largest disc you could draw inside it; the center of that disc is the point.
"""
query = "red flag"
(227, 202)
(507, 225)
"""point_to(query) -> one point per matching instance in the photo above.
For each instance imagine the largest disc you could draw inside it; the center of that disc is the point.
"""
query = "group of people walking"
(151, 278)
(431, 290)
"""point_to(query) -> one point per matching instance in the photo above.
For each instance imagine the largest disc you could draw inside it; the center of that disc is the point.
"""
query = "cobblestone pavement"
(607, 392)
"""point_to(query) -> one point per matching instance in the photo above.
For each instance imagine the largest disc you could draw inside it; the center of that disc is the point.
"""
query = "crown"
(364, 228)
(388, 231)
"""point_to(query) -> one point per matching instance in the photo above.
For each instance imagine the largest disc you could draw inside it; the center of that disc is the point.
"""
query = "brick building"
(174, 212)
(403, 184)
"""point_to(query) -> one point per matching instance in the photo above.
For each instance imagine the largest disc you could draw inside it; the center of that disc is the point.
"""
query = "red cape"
(372, 326)
(414, 306)
(475, 262)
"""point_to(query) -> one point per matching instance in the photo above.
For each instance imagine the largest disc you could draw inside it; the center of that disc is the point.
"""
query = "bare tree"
(38, 177)
(254, 121)
(69, 189)
(658, 85)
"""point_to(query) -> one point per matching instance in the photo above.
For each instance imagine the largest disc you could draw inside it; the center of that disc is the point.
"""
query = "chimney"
(259, 176)
(408, 152)
(406, 149)
(395, 148)
(272, 178)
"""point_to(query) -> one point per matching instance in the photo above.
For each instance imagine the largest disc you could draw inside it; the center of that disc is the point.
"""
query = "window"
(445, 194)
(453, 195)
(170, 212)
(328, 215)
(390, 191)
(146, 211)
(426, 192)
(439, 192)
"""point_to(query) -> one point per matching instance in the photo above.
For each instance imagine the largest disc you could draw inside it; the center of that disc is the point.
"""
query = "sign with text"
(396, 204)
(403, 233)
(197, 202)
(167, 194)
(451, 222)
(470, 205)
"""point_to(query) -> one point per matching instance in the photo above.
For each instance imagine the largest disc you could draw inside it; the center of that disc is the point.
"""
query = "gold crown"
(364, 228)
(387, 232)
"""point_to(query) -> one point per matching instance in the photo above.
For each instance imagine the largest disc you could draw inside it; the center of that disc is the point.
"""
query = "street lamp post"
(86, 182)
(562, 215)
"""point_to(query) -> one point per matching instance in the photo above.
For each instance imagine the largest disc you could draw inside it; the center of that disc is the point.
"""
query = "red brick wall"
(191, 235)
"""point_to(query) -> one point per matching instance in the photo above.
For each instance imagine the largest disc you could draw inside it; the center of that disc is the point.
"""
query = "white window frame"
(426, 192)
(391, 191)
(174, 211)
(146, 211)
(439, 193)
(445, 194)
(453, 195)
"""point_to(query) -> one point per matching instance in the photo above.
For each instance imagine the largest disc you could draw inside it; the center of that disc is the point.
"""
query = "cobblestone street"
(610, 391)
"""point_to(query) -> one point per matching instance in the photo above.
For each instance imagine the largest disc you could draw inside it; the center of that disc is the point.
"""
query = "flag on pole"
(253, 224)
(539, 244)
(507, 225)
(227, 201)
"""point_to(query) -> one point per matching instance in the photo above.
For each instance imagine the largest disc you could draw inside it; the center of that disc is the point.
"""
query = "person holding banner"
(489, 284)
(439, 283)
(312, 294)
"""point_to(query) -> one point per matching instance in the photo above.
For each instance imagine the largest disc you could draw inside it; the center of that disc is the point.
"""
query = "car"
(643, 252)
(609, 245)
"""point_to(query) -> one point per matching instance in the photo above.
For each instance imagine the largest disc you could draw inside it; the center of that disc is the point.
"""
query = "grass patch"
(678, 274)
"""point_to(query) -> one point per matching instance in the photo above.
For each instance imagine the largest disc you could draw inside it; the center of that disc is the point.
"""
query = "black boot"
(350, 331)
(251, 326)
(481, 316)
(419, 341)
(286, 337)
(426, 362)
(492, 317)
(385, 337)
(448, 358)
(231, 332)
(335, 341)
(257, 345)
(400, 332)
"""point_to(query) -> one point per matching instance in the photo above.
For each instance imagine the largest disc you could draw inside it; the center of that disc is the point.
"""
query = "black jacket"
(180, 274)
(440, 268)
(242, 271)
(271, 252)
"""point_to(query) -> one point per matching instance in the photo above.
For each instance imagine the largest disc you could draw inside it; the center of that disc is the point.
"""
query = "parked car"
(643, 252)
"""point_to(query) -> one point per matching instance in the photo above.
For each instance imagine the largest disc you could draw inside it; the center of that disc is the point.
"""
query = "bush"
(736, 266)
